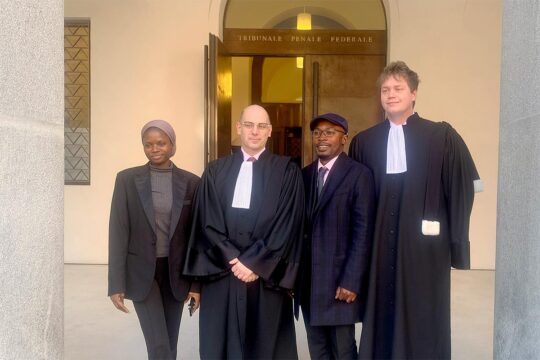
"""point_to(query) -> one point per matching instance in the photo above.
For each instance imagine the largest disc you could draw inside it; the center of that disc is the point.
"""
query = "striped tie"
(320, 179)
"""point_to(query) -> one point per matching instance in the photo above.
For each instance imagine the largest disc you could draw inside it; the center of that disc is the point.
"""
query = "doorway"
(275, 83)
(342, 57)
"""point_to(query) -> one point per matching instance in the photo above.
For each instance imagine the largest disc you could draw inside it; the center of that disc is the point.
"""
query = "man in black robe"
(245, 248)
(425, 181)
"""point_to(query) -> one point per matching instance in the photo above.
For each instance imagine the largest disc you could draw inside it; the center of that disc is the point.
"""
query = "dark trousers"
(331, 342)
(159, 315)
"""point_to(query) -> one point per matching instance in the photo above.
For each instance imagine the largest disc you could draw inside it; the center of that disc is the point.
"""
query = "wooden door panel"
(344, 84)
(219, 100)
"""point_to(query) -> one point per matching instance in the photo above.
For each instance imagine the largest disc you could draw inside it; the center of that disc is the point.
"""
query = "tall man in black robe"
(425, 181)
(245, 248)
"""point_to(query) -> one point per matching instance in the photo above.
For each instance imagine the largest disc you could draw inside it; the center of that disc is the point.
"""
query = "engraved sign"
(310, 42)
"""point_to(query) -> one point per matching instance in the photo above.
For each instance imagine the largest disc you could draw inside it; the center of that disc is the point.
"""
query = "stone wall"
(31, 179)
(517, 288)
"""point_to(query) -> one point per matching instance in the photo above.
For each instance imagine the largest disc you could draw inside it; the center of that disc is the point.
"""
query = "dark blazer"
(338, 237)
(132, 235)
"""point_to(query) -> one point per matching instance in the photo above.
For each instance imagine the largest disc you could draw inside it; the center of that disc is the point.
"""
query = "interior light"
(303, 21)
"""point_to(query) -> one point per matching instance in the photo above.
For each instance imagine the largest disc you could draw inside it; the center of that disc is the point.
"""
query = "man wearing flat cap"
(331, 287)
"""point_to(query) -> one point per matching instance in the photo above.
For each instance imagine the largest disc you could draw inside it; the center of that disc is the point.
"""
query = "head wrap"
(163, 126)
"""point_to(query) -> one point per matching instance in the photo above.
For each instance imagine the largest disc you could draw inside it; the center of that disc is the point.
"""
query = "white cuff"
(431, 228)
(478, 185)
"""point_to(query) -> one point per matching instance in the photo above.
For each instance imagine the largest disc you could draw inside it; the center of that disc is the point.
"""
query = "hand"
(118, 301)
(197, 297)
(345, 295)
(242, 272)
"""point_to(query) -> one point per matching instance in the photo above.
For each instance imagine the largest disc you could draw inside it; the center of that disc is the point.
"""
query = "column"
(31, 179)
(517, 284)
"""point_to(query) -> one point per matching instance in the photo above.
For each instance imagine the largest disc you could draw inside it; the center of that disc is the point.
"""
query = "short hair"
(399, 69)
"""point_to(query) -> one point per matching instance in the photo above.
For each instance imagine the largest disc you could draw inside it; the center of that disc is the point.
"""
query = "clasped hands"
(242, 272)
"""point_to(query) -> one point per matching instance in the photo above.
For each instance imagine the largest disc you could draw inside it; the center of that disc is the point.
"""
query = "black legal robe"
(253, 320)
(408, 307)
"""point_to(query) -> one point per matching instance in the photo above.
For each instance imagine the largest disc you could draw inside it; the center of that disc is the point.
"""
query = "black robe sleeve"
(209, 249)
(459, 174)
(275, 253)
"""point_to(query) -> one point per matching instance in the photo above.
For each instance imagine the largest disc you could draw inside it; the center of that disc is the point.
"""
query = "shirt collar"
(329, 164)
(392, 125)
(247, 156)
(405, 123)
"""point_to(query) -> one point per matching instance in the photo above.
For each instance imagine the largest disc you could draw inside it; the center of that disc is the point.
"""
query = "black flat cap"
(330, 117)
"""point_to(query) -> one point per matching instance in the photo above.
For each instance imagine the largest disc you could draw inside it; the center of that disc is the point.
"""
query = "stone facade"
(517, 288)
(31, 179)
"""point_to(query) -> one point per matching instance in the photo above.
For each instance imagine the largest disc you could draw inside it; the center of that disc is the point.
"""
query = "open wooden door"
(342, 84)
(218, 100)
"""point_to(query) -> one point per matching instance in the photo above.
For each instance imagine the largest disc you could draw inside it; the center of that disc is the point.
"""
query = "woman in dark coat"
(149, 226)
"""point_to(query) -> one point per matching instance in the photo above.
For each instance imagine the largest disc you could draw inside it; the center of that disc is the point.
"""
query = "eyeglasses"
(260, 126)
(326, 132)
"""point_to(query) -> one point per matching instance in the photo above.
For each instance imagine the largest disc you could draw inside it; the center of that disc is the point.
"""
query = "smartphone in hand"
(191, 306)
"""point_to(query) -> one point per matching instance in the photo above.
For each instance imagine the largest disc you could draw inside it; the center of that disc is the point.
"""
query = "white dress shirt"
(328, 165)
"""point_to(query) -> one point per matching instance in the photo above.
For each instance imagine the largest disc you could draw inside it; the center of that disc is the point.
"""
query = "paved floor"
(94, 329)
